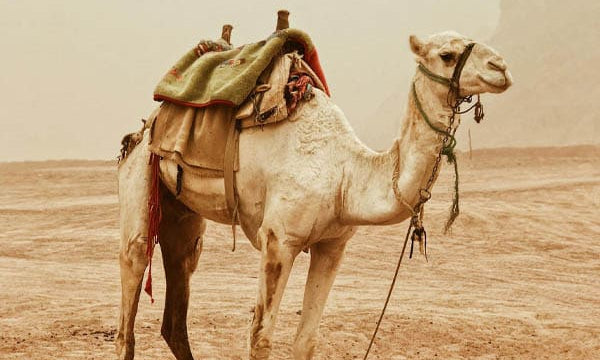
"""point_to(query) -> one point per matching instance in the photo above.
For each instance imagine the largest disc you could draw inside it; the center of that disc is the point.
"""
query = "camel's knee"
(132, 256)
(192, 260)
(181, 258)
(304, 346)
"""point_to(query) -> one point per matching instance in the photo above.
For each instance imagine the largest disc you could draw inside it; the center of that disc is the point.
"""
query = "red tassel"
(297, 87)
(154, 217)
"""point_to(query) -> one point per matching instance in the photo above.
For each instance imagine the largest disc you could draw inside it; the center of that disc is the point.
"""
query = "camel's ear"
(417, 46)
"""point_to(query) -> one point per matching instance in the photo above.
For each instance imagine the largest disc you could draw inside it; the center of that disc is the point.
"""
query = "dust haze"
(517, 278)
(78, 75)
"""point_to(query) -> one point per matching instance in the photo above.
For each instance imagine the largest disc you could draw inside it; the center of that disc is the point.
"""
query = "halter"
(453, 83)
(454, 100)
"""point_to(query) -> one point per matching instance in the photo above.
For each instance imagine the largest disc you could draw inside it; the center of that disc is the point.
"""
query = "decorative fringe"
(154, 217)
(454, 209)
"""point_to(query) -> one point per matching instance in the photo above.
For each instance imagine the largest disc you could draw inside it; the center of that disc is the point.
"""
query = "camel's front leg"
(325, 258)
(277, 258)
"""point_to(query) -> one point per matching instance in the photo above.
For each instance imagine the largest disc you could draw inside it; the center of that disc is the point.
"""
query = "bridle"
(454, 100)
(453, 83)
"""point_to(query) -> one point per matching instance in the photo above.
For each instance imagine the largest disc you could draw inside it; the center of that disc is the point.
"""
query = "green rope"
(435, 77)
(448, 148)
(448, 151)
(454, 209)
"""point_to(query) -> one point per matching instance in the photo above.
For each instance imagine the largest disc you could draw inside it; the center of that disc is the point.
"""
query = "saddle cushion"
(208, 75)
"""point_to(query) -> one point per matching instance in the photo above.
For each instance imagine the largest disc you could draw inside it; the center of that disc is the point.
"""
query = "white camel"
(307, 182)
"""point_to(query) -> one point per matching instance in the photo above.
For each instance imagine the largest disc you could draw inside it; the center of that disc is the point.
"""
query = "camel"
(307, 182)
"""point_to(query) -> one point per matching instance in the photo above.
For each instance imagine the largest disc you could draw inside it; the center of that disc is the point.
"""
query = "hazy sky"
(77, 75)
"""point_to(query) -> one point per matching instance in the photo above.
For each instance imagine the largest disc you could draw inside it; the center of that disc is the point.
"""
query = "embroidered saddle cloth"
(214, 73)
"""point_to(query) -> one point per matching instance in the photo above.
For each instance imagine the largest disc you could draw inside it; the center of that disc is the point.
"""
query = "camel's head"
(484, 70)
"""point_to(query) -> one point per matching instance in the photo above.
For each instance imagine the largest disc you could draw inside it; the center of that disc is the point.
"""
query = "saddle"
(214, 92)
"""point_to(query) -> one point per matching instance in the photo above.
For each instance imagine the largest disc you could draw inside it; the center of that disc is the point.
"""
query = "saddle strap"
(229, 167)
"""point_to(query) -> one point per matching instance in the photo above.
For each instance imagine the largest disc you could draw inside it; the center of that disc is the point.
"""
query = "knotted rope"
(448, 146)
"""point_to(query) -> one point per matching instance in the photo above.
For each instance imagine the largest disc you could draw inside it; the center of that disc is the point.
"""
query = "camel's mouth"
(498, 82)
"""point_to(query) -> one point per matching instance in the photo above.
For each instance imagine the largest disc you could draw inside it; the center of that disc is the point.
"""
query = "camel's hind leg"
(180, 236)
(325, 258)
(134, 187)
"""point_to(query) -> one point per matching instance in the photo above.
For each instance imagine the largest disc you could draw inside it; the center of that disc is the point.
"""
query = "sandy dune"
(516, 279)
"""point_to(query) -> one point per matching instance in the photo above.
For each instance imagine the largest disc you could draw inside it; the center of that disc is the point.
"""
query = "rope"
(395, 177)
(454, 209)
(389, 295)
(447, 149)
(435, 77)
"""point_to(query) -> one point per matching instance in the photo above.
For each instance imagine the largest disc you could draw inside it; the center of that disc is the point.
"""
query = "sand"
(518, 277)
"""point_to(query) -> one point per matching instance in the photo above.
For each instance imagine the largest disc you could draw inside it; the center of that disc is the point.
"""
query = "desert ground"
(517, 278)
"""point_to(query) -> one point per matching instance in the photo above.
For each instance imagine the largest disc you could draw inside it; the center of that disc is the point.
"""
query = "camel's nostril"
(496, 64)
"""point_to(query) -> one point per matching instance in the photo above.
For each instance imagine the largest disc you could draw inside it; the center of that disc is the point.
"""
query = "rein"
(448, 144)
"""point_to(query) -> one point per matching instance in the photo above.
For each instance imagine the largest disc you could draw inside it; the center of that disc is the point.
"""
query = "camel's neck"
(368, 192)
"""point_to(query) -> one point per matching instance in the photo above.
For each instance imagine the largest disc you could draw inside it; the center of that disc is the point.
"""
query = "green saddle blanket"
(213, 73)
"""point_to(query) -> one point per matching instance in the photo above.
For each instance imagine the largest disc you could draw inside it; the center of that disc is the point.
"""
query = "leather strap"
(229, 167)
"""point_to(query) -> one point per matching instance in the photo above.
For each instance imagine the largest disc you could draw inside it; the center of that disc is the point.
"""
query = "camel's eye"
(447, 57)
